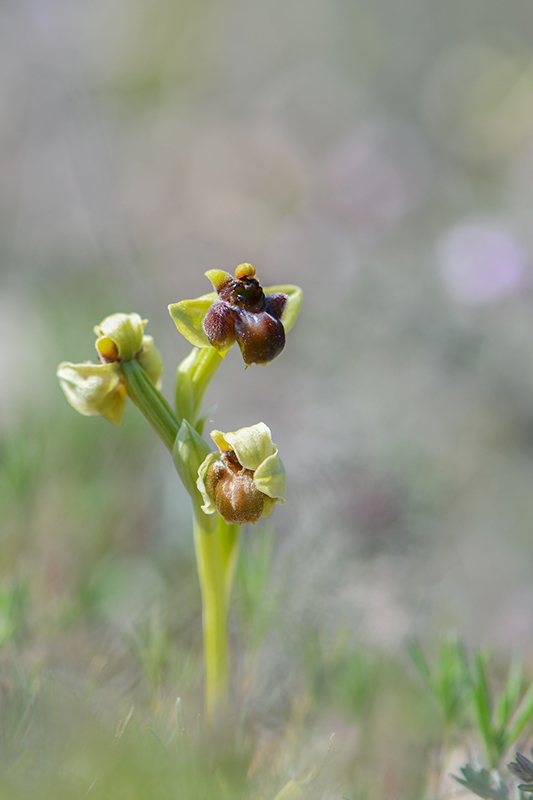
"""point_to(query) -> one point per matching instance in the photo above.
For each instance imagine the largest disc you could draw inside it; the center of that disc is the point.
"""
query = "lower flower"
(245, 480)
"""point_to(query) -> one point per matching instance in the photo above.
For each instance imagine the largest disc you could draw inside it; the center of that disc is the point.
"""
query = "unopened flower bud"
(246, 479)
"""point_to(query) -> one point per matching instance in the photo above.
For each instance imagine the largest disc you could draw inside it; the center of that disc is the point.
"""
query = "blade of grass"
(521, 716)
(482, 706)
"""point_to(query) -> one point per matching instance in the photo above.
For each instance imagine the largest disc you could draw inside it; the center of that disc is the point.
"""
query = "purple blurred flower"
(480, 262)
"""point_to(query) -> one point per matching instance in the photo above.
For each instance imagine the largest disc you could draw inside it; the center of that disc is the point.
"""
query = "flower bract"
(245, 480)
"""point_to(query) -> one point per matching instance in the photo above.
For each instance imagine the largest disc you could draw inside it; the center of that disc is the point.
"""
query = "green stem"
(216, 542)
(151, 402)
(214, 616)
(228, 541)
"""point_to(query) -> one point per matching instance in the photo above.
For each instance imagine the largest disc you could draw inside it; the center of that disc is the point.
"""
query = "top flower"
(239, 311)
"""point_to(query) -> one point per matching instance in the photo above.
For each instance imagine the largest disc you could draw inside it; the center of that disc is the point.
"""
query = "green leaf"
(522, 716)
(482, 705)
(482, 783)
(510, 694)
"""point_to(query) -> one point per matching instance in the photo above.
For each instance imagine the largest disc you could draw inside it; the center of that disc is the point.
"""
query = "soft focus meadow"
(378, 153)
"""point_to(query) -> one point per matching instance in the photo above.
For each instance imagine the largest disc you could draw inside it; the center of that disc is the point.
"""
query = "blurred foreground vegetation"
(101, 664)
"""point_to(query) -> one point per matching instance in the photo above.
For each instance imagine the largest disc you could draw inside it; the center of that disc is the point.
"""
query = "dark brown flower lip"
(261, 337)
(232, 489)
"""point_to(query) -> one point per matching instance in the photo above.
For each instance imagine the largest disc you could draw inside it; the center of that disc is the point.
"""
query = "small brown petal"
(219, 324)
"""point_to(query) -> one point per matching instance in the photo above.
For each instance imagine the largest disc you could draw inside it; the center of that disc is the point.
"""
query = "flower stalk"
(216, 546)
(229, 537)
(151, 402)
(213, 586)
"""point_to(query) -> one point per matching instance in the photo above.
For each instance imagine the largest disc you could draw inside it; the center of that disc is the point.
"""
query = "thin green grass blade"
(482, 705)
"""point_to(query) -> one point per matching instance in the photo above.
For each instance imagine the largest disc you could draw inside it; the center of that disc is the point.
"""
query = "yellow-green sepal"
(271, 479)
(94, 390)
(269, 507)
(188, 316)
(209, 506)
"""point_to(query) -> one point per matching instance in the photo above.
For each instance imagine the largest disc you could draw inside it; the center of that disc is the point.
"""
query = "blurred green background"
(378, 153)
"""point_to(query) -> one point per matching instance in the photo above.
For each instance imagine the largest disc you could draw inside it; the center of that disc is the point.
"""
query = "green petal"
(251, 445)
(125, 331)
(271, 479)
(189, 316)
(294, 302)
(94, 390)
